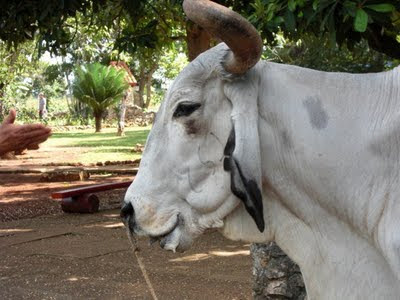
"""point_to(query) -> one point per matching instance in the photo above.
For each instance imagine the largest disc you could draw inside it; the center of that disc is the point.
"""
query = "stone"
(278, 288)
(275, 275)
(20, 152)
(138, 148)
(134, 115)
(75, 174)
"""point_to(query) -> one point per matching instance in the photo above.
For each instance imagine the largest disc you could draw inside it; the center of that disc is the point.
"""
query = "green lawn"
(93, 147)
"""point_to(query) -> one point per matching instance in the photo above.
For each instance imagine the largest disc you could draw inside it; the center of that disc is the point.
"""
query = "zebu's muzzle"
(126, 210)
(169, 239)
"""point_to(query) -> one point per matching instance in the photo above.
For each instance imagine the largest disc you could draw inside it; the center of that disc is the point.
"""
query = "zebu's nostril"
(127, 216)
(126, 211)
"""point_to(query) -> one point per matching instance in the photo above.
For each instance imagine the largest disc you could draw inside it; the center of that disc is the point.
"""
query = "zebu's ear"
(242, 151)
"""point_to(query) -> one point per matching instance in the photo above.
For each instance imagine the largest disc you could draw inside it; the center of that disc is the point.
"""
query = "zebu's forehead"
(202, 68)
(182, 93)
(188, 85)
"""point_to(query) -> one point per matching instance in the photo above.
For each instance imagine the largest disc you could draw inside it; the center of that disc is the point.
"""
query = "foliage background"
(151, 37)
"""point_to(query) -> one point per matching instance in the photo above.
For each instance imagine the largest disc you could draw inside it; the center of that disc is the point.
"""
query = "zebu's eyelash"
(185, 109)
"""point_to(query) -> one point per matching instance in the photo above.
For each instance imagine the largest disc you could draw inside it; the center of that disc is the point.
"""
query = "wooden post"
(85, 203)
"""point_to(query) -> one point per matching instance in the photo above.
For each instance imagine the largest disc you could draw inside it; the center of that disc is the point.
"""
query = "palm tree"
(99, 87)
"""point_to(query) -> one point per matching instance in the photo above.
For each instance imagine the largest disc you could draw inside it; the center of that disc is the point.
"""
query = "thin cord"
(141, 264)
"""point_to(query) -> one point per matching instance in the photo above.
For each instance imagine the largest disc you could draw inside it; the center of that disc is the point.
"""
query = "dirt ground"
(47, 254)
(46, 154)
(89, 257)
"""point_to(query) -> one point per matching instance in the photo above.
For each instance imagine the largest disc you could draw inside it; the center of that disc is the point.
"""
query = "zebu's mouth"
(167, 232)
(170, 239)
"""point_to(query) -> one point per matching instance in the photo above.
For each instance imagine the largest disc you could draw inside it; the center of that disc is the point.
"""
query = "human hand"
(18, 137)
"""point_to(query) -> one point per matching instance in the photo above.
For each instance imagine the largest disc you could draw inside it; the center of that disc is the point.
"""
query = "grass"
(89, 147)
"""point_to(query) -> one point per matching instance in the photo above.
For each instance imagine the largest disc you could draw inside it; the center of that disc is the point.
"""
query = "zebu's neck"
(330, 154)
(334, 138)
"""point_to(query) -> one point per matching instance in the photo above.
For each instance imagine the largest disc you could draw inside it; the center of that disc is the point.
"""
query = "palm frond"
(99, 86)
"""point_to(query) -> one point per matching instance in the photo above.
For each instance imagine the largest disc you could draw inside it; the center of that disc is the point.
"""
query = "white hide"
(329, 146)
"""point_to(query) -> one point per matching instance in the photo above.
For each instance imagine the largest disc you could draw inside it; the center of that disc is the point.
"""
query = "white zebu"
(315, 155)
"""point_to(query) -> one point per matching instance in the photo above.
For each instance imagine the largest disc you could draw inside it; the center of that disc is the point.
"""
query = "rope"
(135, 249)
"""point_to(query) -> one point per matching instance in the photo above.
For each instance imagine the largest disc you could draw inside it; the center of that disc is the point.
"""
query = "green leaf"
(315, 4)
(278, 20)
(269, 16)
(290, 21)
(361, 20)
(383, 8)
(292, 5)
(350, 7)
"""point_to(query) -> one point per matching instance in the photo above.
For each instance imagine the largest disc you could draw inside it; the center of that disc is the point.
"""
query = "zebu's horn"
(241, 37)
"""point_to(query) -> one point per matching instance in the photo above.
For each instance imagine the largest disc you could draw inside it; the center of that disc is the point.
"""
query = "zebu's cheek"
(209, 194)
(215, 219)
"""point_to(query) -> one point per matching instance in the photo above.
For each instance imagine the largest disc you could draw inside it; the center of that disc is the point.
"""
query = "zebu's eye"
(185, 109)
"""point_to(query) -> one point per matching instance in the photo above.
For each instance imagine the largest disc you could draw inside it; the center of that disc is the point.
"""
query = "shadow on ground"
(25, 196)
(88, 257)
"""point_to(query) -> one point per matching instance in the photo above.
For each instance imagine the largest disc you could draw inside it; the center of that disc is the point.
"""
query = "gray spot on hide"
(387, 146)
(317, 114)
(284, 134)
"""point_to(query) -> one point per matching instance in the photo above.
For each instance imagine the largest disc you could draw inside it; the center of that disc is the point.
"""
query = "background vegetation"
(42, 44)
(99, 87)
(99, 147)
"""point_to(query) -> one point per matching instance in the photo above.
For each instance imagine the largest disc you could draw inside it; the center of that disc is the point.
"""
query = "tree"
(121, 108)
(154, 32)
(23, 20)
(104, 30)
(99, 87)
(91, 43)
(145, 69)
(346, 22)
(317, 53)
(98, 30)
(14, 65)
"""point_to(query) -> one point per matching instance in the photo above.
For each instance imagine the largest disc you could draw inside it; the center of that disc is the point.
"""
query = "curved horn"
(241, 37)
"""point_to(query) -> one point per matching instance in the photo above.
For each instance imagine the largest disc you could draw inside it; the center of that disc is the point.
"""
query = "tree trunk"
(144, 83)
(141, 85)
(2, 113)
(97, 117)
(121, 113)
(69, 91)
(69, 86)
(198, 40)
(148, 94)
(149, 77)
(275, 275)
